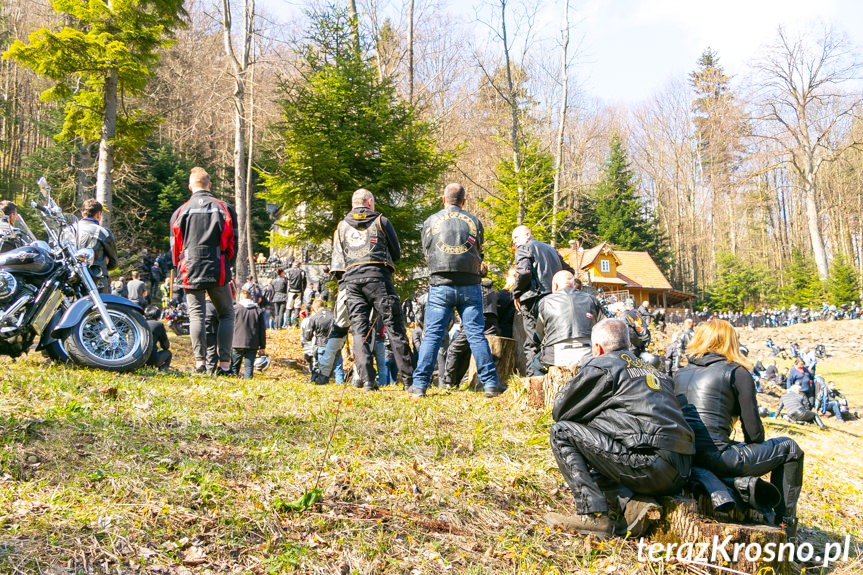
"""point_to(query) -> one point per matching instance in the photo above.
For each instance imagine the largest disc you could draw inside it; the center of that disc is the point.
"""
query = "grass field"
(150, 473)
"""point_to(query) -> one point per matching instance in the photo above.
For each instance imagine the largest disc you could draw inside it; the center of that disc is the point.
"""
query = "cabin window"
(605, 266)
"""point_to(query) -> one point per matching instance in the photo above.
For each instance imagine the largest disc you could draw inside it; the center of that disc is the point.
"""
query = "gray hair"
(360, 198)
(611, 335)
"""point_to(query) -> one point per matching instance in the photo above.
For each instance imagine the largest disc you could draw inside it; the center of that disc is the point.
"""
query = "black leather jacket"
(452, 242)
(320, 325)
(680, 350)
(89, 234)
(567, 314)
(536, 263)
(626, 399)
(714, 394)
(365, 246)
(296, 279)
(489, 307)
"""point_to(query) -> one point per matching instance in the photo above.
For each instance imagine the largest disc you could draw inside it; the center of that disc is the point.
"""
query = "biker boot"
(789, 524)
(597, 524)
(640, 513)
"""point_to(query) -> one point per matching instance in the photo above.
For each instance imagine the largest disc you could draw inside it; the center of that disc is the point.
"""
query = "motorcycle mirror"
(44, 189)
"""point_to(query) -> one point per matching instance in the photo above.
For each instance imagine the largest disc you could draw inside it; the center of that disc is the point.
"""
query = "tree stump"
(503, 354)
(542, 390)
(685, 521)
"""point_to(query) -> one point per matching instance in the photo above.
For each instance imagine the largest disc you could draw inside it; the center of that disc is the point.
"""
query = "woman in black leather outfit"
(715, 390)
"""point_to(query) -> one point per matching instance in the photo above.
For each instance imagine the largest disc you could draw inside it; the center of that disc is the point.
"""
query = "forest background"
(746, 191)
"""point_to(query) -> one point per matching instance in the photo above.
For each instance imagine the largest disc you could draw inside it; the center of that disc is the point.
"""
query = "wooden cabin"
(625, 274)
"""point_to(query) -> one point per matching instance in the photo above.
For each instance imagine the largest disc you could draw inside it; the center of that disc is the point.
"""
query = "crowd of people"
(626, 428)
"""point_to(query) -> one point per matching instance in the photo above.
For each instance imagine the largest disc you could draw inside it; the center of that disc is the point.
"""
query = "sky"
(629, 50)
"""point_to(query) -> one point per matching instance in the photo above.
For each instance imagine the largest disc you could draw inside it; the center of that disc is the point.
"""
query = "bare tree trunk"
(815, 235)
(512, 100)
(558, 154)
(411, 52)
(240, 67)
(83, 163)
(249, 165)
(355, 23)
(105, 170)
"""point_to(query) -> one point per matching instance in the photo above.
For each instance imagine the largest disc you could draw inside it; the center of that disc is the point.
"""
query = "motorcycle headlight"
(85, 256)
(8, 284)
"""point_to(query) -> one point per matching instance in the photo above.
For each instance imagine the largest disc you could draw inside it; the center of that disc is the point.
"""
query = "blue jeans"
(441, 302)
(338, 372)
(243, 358)
(381, 363)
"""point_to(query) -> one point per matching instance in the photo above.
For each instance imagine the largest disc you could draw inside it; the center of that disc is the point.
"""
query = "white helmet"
(262, 363)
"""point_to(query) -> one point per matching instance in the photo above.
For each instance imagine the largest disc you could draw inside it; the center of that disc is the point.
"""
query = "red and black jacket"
(202, 241)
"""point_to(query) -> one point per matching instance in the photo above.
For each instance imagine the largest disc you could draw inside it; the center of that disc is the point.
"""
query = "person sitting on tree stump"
(563, 325)
(618, 416)
(715, 390)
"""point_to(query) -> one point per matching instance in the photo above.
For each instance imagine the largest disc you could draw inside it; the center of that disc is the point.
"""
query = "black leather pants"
(781, 457)
(579, 447)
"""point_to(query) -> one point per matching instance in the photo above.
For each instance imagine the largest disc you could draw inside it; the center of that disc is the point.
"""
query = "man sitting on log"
(563, 324)
(618, 416)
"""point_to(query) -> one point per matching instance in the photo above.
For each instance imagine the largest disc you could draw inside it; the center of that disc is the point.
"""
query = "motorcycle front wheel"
(126, 350)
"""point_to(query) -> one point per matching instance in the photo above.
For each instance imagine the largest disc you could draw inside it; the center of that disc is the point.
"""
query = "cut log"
(503, 354)
(684, 521)
(542, 390)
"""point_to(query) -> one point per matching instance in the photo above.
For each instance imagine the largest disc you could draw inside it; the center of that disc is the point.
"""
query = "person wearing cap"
(452, 242)
(89, 233)
(10, 238)
(366, 247)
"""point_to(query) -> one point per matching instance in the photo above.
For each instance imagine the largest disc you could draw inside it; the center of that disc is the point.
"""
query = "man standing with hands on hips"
(452, 242)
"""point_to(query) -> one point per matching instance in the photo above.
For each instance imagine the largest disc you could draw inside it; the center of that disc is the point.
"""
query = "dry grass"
(173, 474)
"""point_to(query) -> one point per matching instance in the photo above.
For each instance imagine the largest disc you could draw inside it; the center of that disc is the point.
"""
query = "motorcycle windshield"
(22, 225)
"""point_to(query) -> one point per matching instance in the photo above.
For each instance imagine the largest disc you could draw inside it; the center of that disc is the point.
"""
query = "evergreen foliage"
(620, 216)
(803, 288)
(101, 38)
(842, 287)
(344, 128)
(739, 286)
(536, 177)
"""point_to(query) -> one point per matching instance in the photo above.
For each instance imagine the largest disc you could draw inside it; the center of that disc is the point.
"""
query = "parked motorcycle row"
(47, 291)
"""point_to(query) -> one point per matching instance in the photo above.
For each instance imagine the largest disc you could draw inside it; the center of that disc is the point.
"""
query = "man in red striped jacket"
(202, 244)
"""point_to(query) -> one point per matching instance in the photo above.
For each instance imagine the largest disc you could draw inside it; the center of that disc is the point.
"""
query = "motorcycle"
(177, 317)
(47, 291)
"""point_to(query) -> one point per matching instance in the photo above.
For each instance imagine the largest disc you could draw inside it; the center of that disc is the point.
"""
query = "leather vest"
(706, 394)
(452, 239)
(364, 245)
(545, 262)
(568, 314)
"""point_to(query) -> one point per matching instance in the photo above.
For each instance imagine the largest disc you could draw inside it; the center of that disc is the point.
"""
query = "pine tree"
(803, 287)
(842, 287)
(621, 217)
(107, 49)
(536, 181)
(343, 127)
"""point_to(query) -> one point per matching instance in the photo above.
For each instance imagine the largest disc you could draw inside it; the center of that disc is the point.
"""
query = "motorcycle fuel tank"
(28, 259)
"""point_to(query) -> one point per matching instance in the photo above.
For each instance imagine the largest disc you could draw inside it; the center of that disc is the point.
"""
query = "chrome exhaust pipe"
(14, 308)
